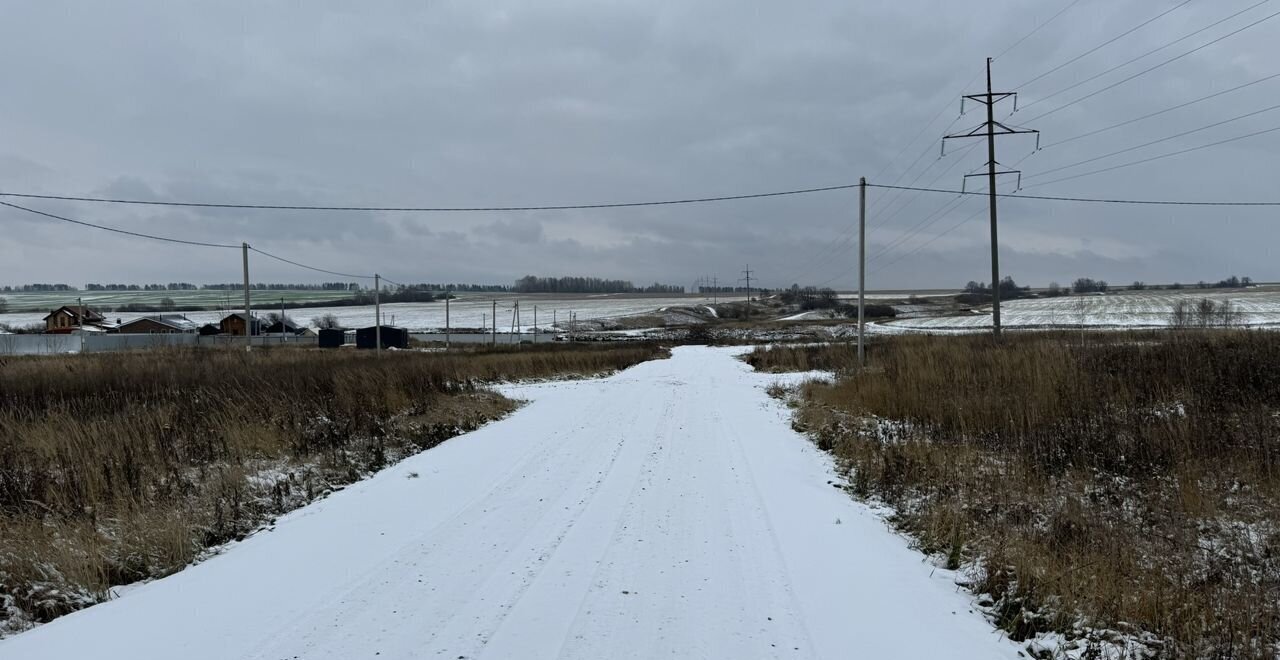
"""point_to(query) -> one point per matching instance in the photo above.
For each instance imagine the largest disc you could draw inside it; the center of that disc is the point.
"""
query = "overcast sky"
(501, 102)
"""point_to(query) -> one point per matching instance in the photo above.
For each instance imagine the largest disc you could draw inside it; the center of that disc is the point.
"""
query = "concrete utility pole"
(446, 319)
(248, 310)
(862, 268)
(282, 319)
(80, 321)
(747, 272)
(990, 129)
(715, 289)
(515, 316)
(494, 340)
(377, 312)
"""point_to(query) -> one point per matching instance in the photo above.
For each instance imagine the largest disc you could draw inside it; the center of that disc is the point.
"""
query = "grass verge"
(1121, 489)
(121, 467)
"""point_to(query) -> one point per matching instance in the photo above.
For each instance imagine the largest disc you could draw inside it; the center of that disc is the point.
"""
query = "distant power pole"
(990, 129)
(715, 289)
(862, 267)
(494, 320)
(377, 312)
(747, 272)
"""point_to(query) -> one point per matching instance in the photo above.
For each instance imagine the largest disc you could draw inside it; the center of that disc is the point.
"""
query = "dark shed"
(332, 338)
(392, 337)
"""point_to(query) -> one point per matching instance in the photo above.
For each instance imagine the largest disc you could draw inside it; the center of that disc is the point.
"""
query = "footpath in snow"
(668, 511)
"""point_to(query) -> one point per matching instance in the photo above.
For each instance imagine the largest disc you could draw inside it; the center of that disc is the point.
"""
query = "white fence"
(74, 343)
(39, 344)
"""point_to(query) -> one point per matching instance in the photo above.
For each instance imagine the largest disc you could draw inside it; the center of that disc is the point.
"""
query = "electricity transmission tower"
(990, 129)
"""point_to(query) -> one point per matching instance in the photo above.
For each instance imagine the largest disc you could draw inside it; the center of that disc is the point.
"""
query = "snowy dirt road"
(668, 511)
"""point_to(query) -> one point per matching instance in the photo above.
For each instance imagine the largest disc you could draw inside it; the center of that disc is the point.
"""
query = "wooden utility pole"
(862, 267)
(494, 339)
(248, 311)
(990, 129)
(747, 272)
(715, 289)
(282, 320)
(446, 318)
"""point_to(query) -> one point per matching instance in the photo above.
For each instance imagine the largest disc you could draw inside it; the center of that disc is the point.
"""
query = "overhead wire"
(1106, 43)
(117, 230)
(302, 265)
(929, 242)
(428, 209)
(1155, 142)
(1168, 155)
(1038, 28)
(1093, 200)
(1149, 69)
(1159, 112)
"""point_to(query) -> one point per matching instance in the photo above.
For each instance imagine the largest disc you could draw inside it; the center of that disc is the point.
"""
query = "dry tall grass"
(124, 466)
(1129, 483)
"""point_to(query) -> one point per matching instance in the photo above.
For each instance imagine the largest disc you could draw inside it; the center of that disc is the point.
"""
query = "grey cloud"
(514, 103)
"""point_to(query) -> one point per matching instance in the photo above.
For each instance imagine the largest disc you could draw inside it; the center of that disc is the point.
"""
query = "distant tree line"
(979, 292)
(535, 284)
(737, 289)
(37, 288)
(1090, 285)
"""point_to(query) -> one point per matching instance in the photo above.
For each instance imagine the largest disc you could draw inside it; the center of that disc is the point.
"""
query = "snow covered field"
(1121, 310)
(667, 511)
(468, 310)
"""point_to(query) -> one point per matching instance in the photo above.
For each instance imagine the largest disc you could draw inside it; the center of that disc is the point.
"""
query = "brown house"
(234, 324)
(158, 324)
(68, 318)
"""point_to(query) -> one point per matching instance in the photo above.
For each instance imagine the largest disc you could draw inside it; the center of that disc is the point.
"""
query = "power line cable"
(1142, 56)
(846, 237)
(1160, 112)
(1038, 28)
(116, 230)
(1104, 44)
(1095, 200)
(1155, 142)
(302, 265)
(1170, 155)
(924, 223)
(438, 209)
(929, 242)
(1150, 69)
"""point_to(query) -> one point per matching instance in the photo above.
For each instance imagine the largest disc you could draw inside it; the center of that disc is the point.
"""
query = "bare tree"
(326, 322)
(1181, 316)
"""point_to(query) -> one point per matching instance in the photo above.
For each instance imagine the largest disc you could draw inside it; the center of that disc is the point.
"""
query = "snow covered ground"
(667, 511)
(468, 311)
(1146, 309)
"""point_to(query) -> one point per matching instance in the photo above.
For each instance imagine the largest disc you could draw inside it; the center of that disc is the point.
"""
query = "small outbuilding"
(210, 329)
(234, 324)
(331, 338)
(392, 337)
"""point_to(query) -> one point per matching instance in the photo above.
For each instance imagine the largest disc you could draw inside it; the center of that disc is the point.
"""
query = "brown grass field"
(1116, 484)
(120, 467)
